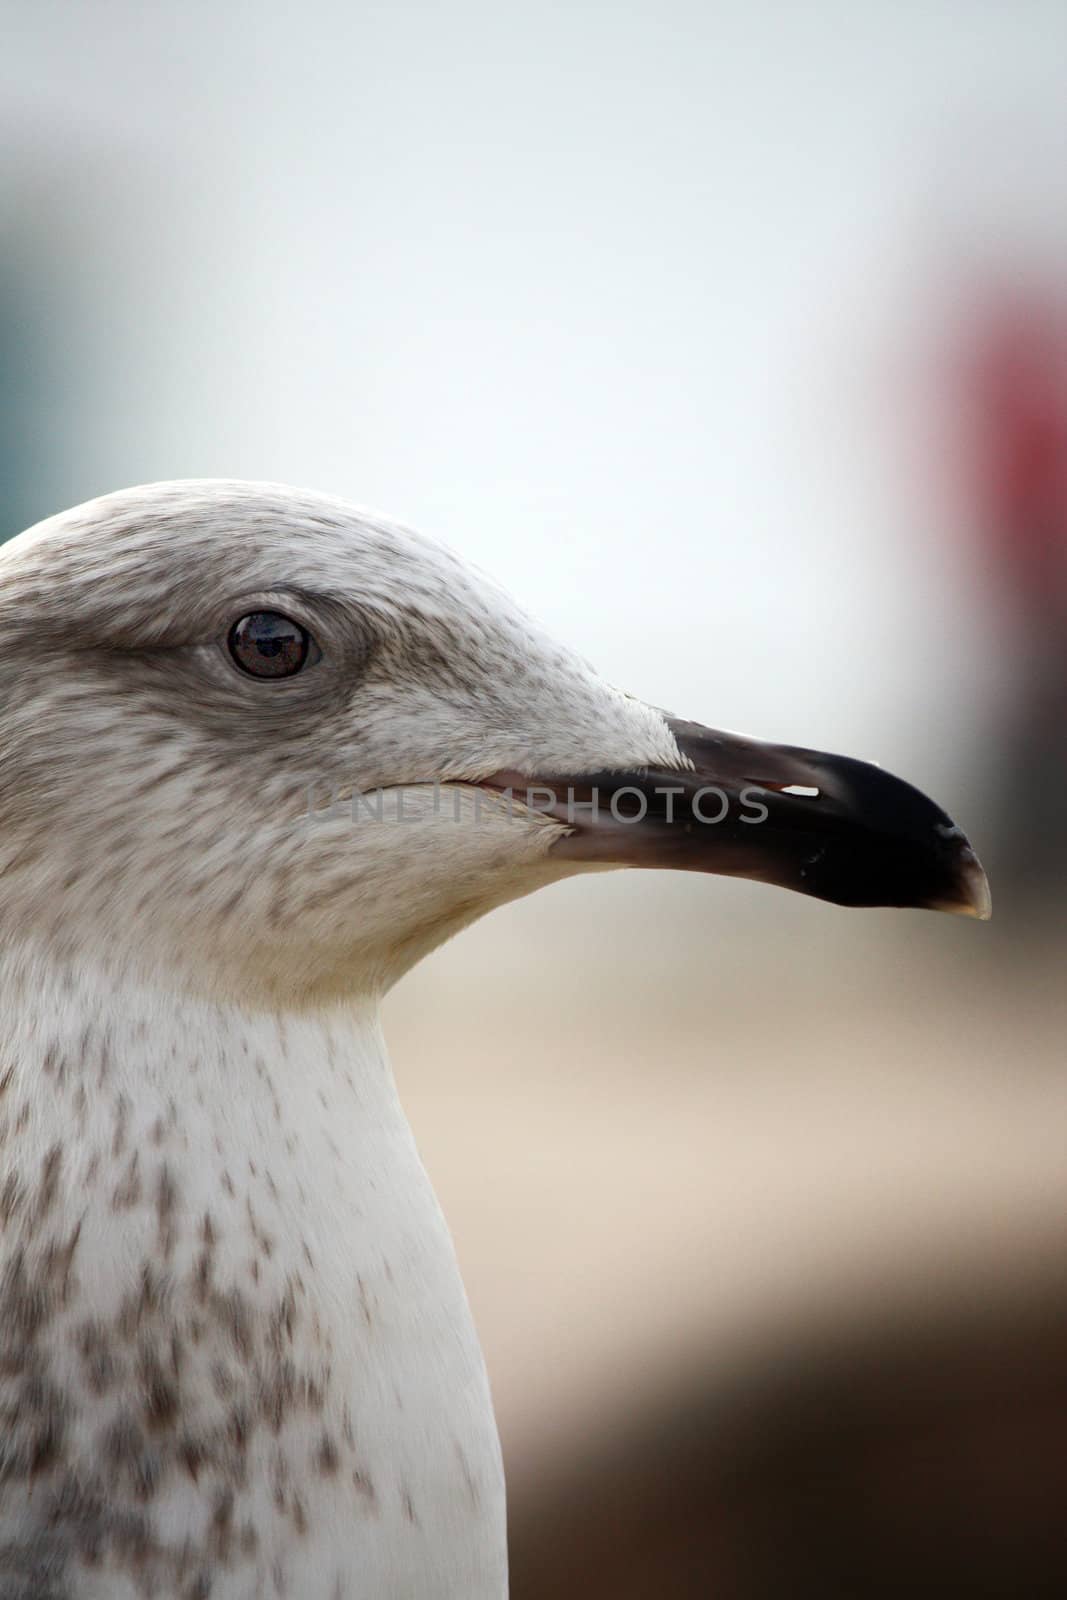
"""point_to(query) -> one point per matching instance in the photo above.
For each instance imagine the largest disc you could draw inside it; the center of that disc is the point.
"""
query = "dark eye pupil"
(268, 645)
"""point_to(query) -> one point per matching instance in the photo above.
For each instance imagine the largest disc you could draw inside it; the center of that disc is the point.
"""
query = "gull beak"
(825, 825)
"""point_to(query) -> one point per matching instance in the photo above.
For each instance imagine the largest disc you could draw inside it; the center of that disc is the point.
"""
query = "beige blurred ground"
(648, 1175)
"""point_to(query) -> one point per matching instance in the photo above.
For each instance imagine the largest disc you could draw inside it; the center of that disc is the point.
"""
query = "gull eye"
(267, 645)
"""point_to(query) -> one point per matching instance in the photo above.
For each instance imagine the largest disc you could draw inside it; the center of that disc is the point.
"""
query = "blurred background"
(733, 339)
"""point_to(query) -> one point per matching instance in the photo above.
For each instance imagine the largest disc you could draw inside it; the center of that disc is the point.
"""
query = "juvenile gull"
(236, 1358)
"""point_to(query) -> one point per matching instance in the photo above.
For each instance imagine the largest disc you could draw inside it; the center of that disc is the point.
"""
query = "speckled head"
(137, 750)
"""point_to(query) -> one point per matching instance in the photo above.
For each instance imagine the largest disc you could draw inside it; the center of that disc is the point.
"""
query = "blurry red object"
(1015, 376)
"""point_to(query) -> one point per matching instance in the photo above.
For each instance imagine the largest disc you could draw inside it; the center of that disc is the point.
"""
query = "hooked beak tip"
(975, 898)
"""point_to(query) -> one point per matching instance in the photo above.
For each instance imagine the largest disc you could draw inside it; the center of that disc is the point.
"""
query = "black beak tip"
(893, 846)
(928, 865)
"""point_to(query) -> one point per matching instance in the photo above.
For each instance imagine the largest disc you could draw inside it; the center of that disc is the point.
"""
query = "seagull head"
(264, 744)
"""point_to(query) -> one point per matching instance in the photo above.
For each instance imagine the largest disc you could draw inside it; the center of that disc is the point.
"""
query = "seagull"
(261, 751)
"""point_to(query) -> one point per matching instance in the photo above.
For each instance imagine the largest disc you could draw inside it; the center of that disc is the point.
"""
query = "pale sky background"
(612, 297)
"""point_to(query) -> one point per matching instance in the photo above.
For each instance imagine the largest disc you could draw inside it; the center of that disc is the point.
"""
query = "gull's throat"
(231, 1299)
